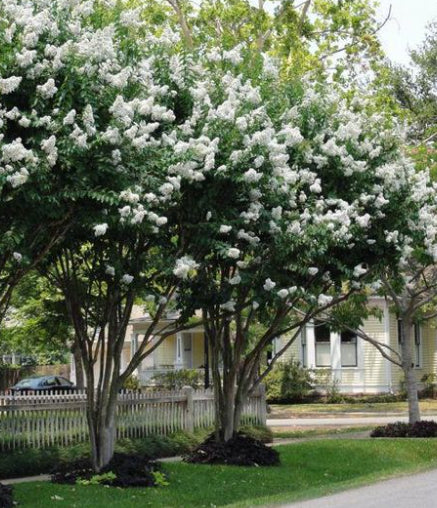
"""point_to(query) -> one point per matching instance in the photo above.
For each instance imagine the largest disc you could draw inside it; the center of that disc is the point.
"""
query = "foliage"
(97, 479)
(37, 324)
(423, 428)
(288, 382)
(178, 378)
(131, 383)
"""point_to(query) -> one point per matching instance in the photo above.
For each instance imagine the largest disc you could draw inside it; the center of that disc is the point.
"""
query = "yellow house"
(354, 365)
(183, 350)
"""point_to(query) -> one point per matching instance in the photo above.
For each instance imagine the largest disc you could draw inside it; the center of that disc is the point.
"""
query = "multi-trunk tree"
(305, 203)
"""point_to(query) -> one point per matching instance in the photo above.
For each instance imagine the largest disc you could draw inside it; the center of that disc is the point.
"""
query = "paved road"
(413, 491)
(334, 420)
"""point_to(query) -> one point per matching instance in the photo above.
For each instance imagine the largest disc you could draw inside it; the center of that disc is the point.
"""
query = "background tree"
(37, 325)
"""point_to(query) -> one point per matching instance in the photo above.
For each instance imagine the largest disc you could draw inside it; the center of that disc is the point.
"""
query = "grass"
(427, 406)
(308, 469)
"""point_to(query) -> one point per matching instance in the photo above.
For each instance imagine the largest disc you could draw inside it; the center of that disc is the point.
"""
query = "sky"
(406, 27)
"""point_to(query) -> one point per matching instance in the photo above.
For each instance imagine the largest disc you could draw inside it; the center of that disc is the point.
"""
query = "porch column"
(133, 350)
(179, 363)
(336, 356)
(311, 347)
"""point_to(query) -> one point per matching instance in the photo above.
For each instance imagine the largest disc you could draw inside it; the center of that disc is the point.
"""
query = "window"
(322, 337)
(417, 345)
(303, 345)
(348, 352)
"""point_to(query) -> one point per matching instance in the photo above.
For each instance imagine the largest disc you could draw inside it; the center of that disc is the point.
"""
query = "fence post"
(189, 408)
(262, 404)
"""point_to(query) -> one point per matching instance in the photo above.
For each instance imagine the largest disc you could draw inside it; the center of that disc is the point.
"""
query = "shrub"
(131, 383)
(6, 500)
(288, 382)
(424, 428)
(177, 379)
(124, 470)
(430, 385)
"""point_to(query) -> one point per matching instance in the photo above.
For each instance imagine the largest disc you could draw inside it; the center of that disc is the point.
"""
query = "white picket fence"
(41, 421)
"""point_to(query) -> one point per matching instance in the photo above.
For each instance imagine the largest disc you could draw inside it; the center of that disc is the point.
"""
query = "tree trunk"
(408, 369)
(103, 431)
(78, 366)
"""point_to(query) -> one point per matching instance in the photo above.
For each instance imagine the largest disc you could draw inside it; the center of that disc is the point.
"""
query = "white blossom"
(233, 253)
(269, 284)
(110, 270)
(228, 306)
(283, 293)
(324, 300)
(100, 229)
(234, 281)
(184, 267)
(225, 229)
(9, 85)
(126, 279)
(359, 270)
(48, 89)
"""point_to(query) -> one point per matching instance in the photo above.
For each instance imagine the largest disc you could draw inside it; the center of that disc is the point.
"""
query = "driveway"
(419, 490)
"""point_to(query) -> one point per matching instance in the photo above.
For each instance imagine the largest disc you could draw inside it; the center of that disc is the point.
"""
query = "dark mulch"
(6, 500)
(424, 428)
(241, 450)
(130, 471)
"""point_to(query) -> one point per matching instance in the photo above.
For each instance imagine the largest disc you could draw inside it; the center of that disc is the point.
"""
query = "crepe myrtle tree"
(100, 279)
(89, 99)
(290, 192)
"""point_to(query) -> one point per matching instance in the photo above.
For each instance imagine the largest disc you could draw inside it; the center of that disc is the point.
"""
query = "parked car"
(43, 384)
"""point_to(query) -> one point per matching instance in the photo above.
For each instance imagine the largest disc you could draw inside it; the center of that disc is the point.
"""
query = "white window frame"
(356, 351)
(325, 343)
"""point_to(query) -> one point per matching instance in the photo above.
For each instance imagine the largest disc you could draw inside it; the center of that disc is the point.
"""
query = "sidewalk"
(372, 419)
(402, 492)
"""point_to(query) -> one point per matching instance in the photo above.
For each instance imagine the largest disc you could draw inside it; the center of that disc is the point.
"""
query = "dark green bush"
(288, 382)
(424, 428)
(177, 379)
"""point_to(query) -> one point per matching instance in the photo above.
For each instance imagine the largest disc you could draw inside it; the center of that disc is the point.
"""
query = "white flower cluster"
(184, 267)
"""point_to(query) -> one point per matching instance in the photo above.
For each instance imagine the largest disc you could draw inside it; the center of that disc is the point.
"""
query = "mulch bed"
(130, 471)
(6, 500)
(241, 450)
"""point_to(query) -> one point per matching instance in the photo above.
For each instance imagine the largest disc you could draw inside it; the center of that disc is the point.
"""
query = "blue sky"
(406, 26)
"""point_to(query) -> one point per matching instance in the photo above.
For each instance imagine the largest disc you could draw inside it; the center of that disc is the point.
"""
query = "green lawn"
(427, 406)
(308, 469)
